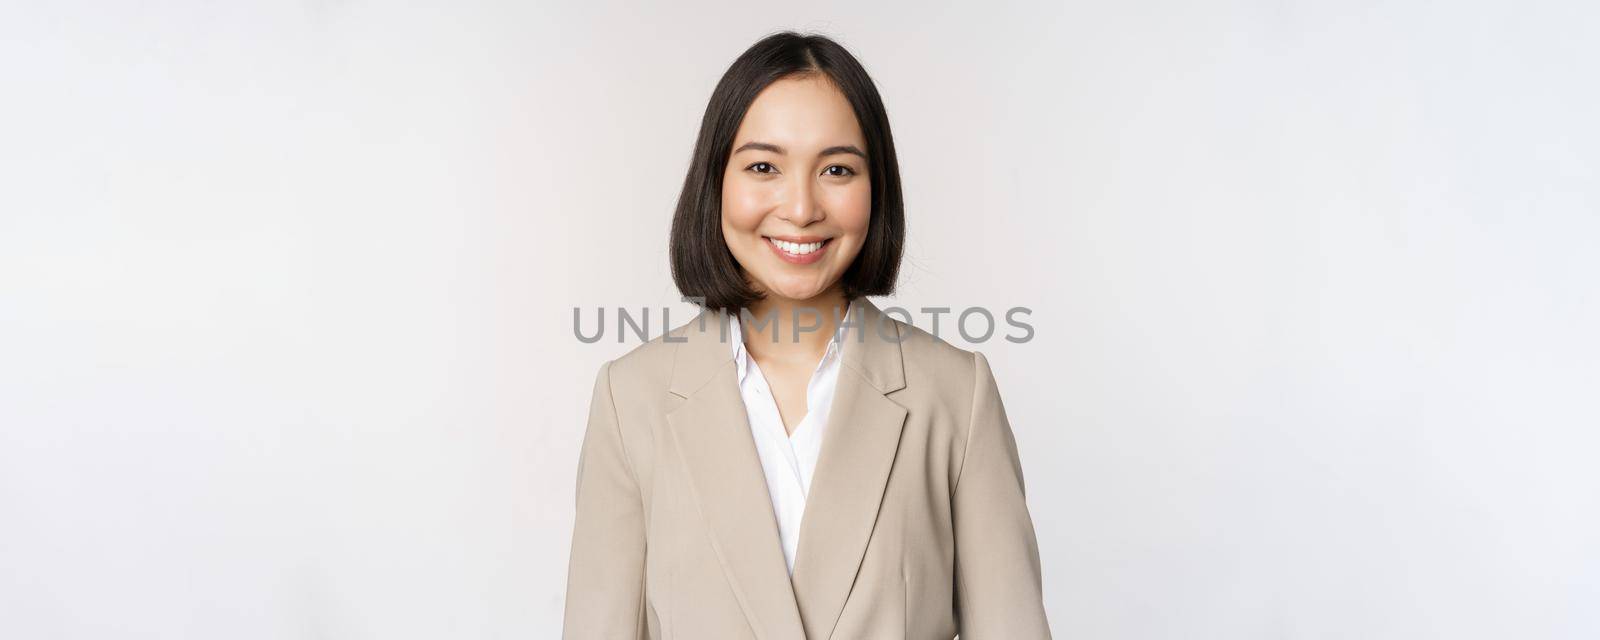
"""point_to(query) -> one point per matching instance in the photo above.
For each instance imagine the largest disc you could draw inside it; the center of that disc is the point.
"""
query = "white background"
(286, 295)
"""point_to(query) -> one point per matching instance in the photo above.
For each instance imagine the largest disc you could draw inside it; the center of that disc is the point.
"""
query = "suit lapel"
(712, 433)
(713, 436)
(853, 467)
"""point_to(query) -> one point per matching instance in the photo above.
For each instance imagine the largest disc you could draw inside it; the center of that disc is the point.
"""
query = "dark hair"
(702, 266)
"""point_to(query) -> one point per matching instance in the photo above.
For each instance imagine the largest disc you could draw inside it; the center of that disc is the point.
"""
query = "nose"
(801, 206)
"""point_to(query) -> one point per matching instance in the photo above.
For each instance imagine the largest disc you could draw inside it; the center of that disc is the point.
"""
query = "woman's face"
(796, 197)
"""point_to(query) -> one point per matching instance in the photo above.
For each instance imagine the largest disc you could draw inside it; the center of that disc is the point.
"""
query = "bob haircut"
(702, 266)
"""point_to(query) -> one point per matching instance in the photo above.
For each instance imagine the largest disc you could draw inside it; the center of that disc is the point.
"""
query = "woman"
(793, 463)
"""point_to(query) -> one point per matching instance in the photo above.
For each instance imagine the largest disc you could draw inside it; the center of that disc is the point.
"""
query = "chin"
(803, 292)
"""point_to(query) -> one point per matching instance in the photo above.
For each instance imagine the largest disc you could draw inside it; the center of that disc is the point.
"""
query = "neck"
(781, 317)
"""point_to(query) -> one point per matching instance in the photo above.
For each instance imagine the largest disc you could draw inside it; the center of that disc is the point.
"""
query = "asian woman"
(793, 463)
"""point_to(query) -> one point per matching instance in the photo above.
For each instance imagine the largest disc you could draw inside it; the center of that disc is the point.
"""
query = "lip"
(798, 259)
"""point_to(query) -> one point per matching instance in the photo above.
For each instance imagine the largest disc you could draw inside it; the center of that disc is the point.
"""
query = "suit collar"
(712, 434)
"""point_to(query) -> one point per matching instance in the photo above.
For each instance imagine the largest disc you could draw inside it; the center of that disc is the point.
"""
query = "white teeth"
(797, 248)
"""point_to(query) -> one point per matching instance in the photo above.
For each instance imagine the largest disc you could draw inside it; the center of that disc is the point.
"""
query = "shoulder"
(941, 374)
(646, 370)
(933, 361)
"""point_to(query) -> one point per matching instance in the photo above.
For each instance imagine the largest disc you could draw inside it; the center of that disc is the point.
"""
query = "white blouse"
(788, 459)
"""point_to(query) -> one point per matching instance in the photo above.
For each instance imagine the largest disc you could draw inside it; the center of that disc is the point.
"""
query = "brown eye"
(847, 170)
(761, 164)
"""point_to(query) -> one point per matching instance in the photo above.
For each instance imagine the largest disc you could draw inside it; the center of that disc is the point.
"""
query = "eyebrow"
(833, 150)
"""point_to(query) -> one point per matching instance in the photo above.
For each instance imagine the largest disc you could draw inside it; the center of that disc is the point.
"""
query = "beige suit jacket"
(915, 525)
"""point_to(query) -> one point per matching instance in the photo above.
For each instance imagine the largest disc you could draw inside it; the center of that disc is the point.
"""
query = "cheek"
(851, 208)
(741, 207)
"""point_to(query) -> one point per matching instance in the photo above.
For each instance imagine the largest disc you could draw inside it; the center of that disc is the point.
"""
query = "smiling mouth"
(797, 248)
(800, 251)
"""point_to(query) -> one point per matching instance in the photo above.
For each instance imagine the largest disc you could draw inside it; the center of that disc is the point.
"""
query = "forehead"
(801, 114)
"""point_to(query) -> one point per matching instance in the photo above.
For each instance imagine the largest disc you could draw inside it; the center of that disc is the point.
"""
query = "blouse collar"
(742, 357)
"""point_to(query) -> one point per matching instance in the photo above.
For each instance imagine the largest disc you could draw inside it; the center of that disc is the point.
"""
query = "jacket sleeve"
(605, 572)
(998, 582)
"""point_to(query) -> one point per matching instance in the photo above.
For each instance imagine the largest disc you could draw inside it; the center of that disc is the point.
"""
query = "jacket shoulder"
(931, 362)
(647, 368)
